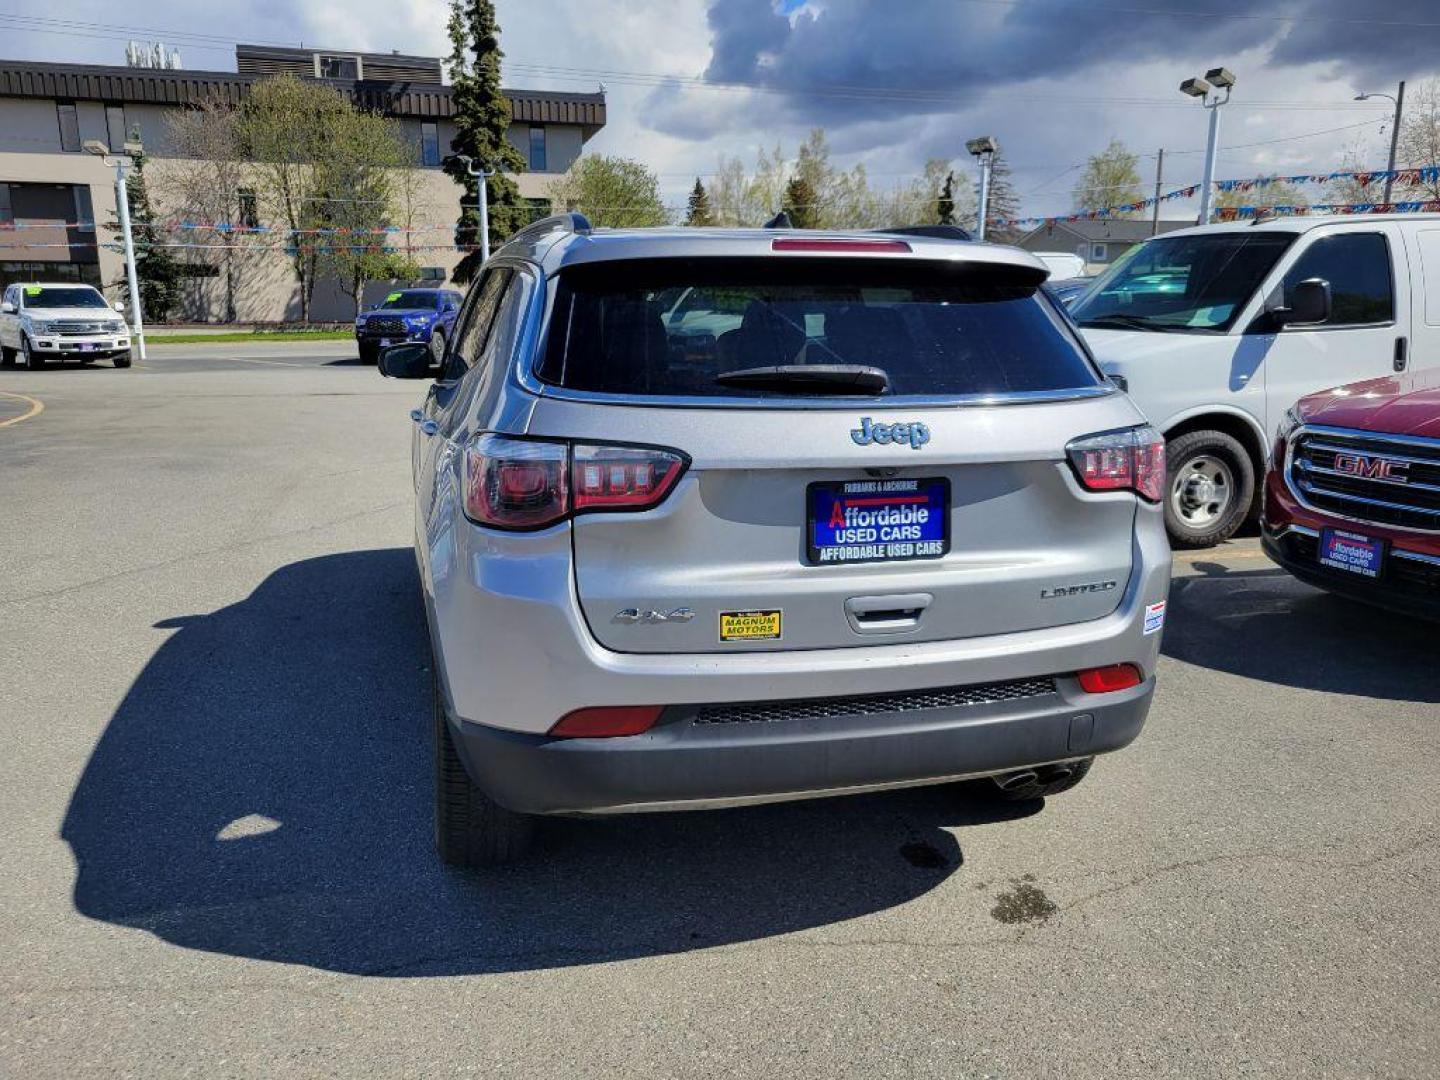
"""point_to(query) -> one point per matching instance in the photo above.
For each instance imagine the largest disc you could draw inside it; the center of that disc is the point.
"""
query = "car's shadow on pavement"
(263, 790)
(1264, 624)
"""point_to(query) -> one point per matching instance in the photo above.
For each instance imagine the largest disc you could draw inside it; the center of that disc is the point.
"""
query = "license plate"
(384, 341)
(85, 346)
(856, 521)
(1341, 549)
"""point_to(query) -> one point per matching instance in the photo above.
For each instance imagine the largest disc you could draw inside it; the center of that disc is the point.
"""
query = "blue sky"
(893, 83)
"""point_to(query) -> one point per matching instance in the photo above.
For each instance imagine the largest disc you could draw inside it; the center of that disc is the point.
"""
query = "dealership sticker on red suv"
(1351, 552)
(1154, 617)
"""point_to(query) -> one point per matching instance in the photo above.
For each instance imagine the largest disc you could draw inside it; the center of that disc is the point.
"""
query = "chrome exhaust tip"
(1014, 780)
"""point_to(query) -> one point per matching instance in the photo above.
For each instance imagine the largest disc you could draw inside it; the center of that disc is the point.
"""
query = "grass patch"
(251, 336)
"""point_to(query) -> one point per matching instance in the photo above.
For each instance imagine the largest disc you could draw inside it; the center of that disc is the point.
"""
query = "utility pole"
(479, 172)
(1159, 180)
(983, 150)
(1399, 100)
(121, 162)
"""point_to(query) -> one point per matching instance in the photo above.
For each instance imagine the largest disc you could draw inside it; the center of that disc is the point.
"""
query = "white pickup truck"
(61, 321)
(1216, 331)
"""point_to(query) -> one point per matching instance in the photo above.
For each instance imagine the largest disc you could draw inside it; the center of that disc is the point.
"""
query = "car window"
(935, 329)
(1182, 283)
(1357, 266)
(41, 297)
(470, 341)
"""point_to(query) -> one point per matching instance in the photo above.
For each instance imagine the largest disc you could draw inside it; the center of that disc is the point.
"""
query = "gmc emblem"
(1386, 470)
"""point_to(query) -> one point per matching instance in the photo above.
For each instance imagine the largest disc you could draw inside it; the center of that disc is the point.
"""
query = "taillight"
(1130, 460)
(606, 722)
(622, 477)
(1106, 680)
(531, 483)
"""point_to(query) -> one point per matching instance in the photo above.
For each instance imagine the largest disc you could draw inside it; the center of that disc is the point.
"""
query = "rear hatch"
(942, 507)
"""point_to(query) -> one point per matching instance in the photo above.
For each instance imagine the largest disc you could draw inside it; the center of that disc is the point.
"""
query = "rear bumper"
(684, 763)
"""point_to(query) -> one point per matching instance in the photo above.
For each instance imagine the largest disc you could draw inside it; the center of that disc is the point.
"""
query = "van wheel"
(1210, 485)
(1041, 782)
(471, 829)
(33, 360)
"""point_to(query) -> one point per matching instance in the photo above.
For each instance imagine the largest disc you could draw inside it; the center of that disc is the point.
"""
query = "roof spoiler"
(938, 232)
(572, 222)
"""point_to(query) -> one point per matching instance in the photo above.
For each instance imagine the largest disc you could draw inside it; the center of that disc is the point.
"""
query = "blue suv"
(425, 315)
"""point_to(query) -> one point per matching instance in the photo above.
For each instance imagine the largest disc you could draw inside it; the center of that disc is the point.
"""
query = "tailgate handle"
(893, 614)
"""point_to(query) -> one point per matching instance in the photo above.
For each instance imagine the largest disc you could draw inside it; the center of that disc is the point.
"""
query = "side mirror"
(119, 306)
(408, 361)
(1307, 302)
(7, 308)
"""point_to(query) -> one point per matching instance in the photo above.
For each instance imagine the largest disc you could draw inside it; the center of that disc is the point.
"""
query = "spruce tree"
(1004, 203)
(945, 204)
(156, 270)
(801, 203)
(698, 210)
(482, 119)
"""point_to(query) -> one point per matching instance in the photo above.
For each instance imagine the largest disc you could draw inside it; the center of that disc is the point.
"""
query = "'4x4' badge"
(914, 433)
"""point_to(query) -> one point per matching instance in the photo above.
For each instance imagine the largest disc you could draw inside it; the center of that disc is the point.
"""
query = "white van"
(1216, 331)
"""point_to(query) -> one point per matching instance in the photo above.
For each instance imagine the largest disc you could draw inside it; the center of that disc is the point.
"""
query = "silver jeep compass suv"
(712, 517)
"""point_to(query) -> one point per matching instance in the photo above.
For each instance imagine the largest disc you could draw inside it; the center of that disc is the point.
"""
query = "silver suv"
(706, 518)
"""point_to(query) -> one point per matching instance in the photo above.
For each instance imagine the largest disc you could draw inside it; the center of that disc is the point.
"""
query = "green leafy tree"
(482, 120)
(156, 270)
(801, 203)
(945, 204)
(1110, 179)
(612, 191)
(697, 212)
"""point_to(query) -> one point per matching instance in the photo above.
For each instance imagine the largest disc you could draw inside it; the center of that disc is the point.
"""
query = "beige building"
(53, 193)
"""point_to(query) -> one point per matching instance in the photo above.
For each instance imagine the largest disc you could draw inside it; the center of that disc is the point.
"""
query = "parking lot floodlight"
(1221, 77)
(96, 147)
(985, 144)
(1195, 87)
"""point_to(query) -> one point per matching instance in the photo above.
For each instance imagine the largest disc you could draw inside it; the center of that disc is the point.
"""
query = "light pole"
(121, 162)
(479, 171)
(1399, 100)
(1208, 90)
(983, 150)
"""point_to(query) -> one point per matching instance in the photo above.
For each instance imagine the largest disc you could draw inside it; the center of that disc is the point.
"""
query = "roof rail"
(571, 222)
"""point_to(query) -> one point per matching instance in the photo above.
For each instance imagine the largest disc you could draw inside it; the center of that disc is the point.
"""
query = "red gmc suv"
(1352, 501)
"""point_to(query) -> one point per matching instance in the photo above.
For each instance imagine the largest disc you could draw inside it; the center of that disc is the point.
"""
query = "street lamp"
(983, 150)
(121, 162)
(479, 171)
(1399, 100)
(1209, 92)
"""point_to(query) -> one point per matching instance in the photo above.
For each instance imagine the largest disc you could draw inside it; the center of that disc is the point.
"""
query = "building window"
(429, 144)
(115, 127)
(1097, 252)
(84, 208)
(69, 126)
(339, 67)
(249, 208)
(7, 212)
(537, 149)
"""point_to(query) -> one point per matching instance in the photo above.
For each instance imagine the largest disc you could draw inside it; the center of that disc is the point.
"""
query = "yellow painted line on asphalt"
(36, 408)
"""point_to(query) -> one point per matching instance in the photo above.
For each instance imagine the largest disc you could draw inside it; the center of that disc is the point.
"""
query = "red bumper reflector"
(1106, 680)
(607, 721)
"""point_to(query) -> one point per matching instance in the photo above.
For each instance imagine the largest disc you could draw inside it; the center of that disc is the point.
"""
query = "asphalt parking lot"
(215, 795)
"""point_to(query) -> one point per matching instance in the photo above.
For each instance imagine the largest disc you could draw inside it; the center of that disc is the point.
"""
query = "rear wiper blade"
(813, 378)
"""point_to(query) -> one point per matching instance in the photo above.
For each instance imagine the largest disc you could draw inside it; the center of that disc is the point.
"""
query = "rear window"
(670, 327)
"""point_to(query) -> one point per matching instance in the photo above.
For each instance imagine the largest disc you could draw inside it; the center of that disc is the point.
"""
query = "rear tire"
(1049, 780)
(471, 829)
(1209, 488)
(33, 360)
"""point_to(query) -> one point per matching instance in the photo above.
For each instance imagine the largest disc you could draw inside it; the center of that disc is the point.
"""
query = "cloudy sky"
(893, 83)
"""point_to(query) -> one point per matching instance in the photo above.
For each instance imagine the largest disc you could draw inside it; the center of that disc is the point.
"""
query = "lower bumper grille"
(1421, 577)
(769, 712)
